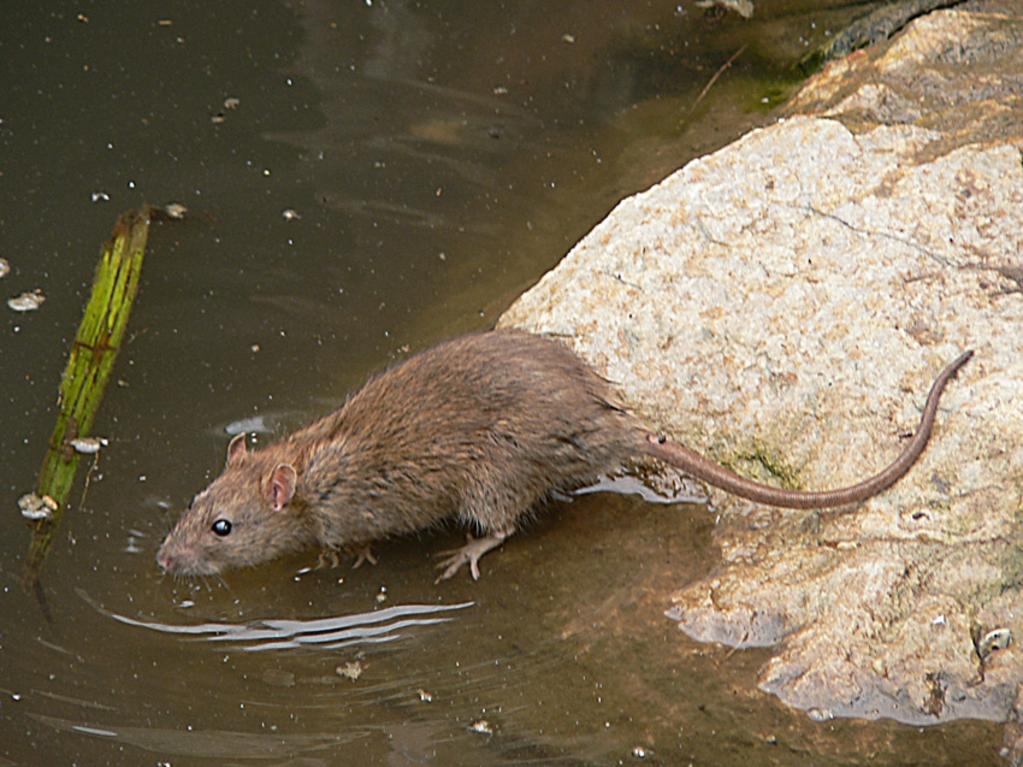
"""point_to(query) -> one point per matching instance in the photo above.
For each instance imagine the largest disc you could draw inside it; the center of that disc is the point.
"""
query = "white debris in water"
(351, 670)
(245, 425)
(27, 302)
(482, 726)
(290, 214)
(175, 210)
(5, 268)
(89, 445)
(35, 508)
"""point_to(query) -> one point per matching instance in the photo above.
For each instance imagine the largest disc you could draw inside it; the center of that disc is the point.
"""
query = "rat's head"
(246, 516)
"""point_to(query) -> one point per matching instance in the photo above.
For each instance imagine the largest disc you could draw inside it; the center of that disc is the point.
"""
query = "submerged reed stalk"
(87, 374)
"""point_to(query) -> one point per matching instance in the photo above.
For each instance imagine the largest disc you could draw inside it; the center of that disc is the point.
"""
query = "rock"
(873, 27)
(782, 306)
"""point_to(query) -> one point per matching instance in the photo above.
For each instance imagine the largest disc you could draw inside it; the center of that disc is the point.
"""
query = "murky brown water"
(440, 157)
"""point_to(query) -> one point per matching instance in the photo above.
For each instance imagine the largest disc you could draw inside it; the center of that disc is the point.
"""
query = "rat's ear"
(237, 449)
(281, 487)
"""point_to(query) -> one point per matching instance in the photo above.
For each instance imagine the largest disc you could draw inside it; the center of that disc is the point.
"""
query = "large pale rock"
(783, 306)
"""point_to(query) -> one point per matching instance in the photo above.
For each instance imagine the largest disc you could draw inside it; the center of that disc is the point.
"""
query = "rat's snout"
(171, 558)
(165, 560)
(178, 557)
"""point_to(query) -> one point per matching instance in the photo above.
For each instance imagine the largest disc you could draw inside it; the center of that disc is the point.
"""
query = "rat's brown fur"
(479, 428)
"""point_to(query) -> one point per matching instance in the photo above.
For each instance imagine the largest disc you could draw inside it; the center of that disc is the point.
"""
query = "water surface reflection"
(391, 173)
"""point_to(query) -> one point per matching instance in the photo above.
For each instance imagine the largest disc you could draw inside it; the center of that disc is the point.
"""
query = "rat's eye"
(222, 527)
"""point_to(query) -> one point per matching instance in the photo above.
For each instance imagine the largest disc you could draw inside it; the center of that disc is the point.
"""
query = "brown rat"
(479, 428)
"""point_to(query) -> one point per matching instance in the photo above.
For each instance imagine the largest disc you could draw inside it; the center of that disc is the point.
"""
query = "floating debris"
(290, 214)
(175, 210)
(218, 118)
(424, 696)
(27, 302)
(100, 197)
(35, 508)
(89, 445)
(232, 103)
(5, 268)
(640, 753)
(482, 726)
(256, 423)
(567, 38)
(993, 641)
(351, 670)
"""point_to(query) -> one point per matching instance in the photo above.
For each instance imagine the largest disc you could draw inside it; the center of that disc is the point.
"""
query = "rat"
(481, 429)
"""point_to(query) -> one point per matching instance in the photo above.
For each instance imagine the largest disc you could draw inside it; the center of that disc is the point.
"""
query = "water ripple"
(330, 633)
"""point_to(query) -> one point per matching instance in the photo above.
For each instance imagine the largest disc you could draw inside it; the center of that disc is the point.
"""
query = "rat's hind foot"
(469, 554)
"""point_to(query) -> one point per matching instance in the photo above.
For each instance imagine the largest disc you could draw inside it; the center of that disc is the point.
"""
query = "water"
(439, 158)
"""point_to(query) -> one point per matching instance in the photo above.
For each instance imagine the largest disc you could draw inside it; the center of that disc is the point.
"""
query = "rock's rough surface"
(782, 306)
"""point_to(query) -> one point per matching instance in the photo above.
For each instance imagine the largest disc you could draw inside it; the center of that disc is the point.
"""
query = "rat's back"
(483, 426)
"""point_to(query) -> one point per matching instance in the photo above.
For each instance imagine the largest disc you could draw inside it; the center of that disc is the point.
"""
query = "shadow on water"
(362, 179)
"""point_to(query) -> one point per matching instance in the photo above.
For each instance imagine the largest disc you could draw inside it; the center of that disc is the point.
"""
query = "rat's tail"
(695, 464)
